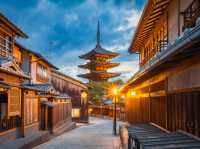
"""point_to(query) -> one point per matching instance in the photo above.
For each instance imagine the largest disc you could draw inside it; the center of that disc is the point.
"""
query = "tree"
(98, 91)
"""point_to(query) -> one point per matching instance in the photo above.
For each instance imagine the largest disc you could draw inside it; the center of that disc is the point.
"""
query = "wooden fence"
(7, 124)
(60, 114)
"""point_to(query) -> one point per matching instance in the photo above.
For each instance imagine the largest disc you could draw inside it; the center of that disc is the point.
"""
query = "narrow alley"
(95, 135)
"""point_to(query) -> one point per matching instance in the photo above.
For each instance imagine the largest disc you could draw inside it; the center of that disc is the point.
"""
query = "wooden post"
(22, 127)
(46, 118)
(178, 24)
(166, 101)
(39, 111)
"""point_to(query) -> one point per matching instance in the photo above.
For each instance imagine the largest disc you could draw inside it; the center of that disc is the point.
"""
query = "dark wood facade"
(107, 111)
(11, 76)
(55, 115)
(76, 90)
(167, 85)
(24, 85)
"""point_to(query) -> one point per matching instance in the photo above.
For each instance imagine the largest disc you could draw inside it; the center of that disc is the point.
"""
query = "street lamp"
(115, 93)
(133, 93)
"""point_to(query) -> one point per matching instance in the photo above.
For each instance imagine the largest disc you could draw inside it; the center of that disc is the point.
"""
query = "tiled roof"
(99, 50)
(63, 96)
(8, 65)
(4, 85)
(93, 64)
(99, 73)
(45, 88)
(18, 31)
(48, 103)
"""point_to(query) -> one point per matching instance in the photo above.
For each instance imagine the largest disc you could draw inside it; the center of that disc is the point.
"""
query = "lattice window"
(14, 101)
(42, 74)
(6, 42)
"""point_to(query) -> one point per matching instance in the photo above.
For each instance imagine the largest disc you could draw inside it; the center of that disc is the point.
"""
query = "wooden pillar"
(22, 127)
(178, 24)
(166, 103)
(39, 111)
(46, 118)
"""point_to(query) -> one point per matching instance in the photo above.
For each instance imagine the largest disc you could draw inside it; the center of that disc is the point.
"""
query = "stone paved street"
(96, 135)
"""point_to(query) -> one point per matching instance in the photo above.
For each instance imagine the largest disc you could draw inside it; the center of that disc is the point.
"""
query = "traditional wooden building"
(166, 89)
(98, 62)
(53, 109)
(76, 90)
(29, 101)
(11, 77)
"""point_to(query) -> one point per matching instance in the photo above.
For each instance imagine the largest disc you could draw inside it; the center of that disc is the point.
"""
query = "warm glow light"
(84, 95)
(115, 91)
(90, 110)
(75, 113)
(133, 93)
(122, 96)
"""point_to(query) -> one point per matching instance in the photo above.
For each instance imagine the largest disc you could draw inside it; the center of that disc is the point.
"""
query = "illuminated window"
(75, 112)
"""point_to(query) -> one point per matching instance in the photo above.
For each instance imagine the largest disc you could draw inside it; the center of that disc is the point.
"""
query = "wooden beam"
(155, 18)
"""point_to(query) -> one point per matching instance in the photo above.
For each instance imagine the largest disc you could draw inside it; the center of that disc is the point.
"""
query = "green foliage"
(99, 90)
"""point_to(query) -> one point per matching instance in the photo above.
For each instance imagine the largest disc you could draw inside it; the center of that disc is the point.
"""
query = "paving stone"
(96, 135)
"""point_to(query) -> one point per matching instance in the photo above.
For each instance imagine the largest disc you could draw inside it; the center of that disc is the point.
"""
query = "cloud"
(127, 69)
(72, 25)
(73, 71)
(118, 47)
(71, 19)
(130, 21)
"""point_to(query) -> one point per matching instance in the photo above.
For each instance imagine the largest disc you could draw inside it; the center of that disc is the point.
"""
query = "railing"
(17, 60)
(3, 52)
(42, 78)
(191, 14)
(6, 43)
(6, 124)
(159, 47)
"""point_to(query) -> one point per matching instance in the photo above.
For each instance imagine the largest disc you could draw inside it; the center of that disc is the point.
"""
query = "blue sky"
(64, 29)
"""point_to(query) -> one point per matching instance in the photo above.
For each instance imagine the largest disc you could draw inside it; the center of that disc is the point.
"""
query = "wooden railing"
(191, 14)
(158, 47)
(3, 52)
(42, 78)
(6, 124)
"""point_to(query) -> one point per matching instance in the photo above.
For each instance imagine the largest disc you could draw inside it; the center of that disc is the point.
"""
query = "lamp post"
(84, 105)
(115, 93)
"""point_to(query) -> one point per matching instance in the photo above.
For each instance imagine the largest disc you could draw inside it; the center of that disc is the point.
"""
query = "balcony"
(157, 47)
(6, 43)
(191, 14)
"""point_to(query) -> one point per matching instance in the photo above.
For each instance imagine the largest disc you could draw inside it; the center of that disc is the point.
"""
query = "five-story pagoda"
(99, 62)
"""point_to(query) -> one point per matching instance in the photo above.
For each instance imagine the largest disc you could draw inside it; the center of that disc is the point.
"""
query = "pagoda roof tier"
(98, 51)
(91, 65)
(99, 75)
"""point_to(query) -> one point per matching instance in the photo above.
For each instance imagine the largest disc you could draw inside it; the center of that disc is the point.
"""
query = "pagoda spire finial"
(98, 34)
